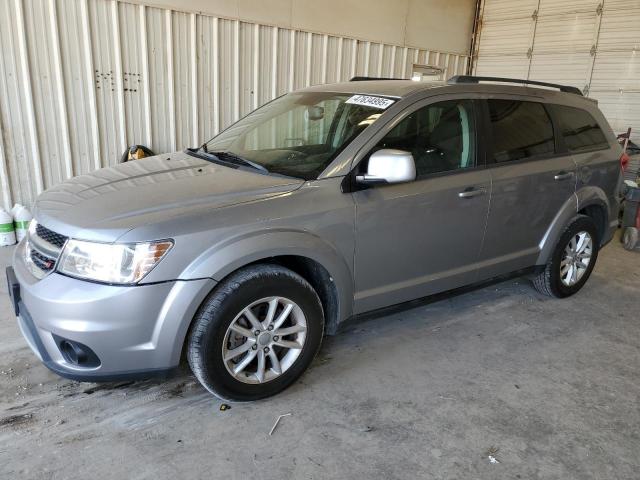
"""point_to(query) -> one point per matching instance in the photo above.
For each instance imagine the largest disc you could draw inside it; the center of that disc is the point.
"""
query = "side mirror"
(389, 166)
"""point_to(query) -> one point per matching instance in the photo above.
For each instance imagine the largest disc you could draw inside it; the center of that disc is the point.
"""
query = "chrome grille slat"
(43, 250)
(42, 262)
(44, 247)
(50, 236)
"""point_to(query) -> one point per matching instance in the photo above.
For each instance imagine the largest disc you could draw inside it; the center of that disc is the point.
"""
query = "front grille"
(50, 236)
(42, 250)
(43, 262)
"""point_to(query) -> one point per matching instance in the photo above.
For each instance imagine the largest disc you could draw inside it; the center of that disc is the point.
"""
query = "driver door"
(422, 237)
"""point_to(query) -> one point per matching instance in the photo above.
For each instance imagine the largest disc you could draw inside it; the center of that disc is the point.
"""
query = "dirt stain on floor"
(17, 420)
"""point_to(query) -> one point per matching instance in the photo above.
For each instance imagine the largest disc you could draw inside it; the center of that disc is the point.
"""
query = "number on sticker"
(370, 101)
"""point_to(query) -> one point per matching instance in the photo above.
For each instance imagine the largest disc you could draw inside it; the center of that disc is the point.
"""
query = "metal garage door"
(586, 43)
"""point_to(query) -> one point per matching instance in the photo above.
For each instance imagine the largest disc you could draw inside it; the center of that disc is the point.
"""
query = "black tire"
(227, 300)
(549, 280)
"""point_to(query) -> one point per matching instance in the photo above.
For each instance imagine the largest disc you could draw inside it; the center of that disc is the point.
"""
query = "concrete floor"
(549, 388)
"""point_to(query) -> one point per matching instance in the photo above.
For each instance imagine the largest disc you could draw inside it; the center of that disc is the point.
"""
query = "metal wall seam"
(274, 62)
(307, 64)
(292, 58)
(216, 77)
(236, 69)
(59, 83)
(354, 57)
(405, 57)
(367, 58)
(339, 56)
(89, 72)
(256, 67)
(4, 174)
(393, 60)
(171, 94)
(194, 78)
(122, 124)
(28, 97)
(146, 101)
(325, 58)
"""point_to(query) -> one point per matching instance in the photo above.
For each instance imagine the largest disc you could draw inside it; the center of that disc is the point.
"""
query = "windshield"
(299, 134)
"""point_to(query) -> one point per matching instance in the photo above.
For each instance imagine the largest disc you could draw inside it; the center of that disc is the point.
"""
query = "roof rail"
(471, 79)
(364, 79)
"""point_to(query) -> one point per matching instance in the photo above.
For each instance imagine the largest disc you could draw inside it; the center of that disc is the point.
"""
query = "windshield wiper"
(225, 157)
(233, 158)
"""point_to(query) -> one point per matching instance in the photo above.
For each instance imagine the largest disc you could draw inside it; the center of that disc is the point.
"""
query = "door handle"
(472, 192)
(563, 175)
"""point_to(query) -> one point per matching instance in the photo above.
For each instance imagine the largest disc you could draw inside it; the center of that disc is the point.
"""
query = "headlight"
(124, 263)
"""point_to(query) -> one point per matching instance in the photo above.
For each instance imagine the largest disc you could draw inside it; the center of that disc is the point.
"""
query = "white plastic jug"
(15, 209)
(7, 232)
(21, 220)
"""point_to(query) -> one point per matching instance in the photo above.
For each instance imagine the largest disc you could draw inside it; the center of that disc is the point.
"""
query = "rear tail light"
(624, 161)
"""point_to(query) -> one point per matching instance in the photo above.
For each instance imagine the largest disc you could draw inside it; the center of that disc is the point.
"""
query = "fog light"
(72, 352)
(76, 353)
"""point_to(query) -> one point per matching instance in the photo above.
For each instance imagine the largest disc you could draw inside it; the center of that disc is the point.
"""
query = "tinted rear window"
(580, 130)
(520, 130)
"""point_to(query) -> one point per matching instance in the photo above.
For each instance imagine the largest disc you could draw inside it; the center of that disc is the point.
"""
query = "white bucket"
(15, 209)
(7, 232)
(21, 219)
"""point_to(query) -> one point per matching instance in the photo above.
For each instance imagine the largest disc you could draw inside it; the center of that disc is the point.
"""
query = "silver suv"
(322, 205)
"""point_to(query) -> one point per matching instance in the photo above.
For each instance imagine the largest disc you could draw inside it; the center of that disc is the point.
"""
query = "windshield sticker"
(369, 101)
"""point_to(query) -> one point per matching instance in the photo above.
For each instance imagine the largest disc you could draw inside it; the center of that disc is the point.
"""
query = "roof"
(403, 88)
(387, 88)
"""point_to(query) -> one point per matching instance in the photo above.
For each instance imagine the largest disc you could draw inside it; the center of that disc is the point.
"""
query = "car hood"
(107, 203)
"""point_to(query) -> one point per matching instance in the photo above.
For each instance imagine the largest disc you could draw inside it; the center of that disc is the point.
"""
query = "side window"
(441, 137)
(580, 130)
(520, 130)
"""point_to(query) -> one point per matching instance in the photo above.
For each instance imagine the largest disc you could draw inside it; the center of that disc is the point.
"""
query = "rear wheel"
(572, 261)
(256, 333)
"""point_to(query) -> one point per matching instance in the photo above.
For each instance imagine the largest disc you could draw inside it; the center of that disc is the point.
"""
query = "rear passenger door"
(532, 179)
(598, 165)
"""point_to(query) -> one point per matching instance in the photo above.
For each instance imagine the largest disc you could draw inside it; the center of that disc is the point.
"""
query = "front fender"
(226, 257)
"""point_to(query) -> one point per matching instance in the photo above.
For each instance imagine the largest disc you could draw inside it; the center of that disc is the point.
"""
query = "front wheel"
(572, 261)
(256, 333)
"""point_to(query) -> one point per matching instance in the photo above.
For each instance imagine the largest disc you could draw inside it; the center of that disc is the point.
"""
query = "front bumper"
(135, 331)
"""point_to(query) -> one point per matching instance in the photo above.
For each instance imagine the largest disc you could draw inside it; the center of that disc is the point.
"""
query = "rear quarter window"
(520, 130)
(580, 131)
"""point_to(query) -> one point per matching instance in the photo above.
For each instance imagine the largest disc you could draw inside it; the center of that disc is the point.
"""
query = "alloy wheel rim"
(576, 258)
(264, 340)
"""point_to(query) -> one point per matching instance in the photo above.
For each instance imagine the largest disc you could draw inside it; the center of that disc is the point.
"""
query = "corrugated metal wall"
(82, 79)
(591, 44)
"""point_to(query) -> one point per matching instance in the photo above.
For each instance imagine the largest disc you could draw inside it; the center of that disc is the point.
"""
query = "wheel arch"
(594, 202)
(598, 213)
(564, 216)
(308, 255)
(589, 200)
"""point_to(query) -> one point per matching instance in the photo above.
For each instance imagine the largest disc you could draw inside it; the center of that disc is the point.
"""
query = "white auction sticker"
(369, 101)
